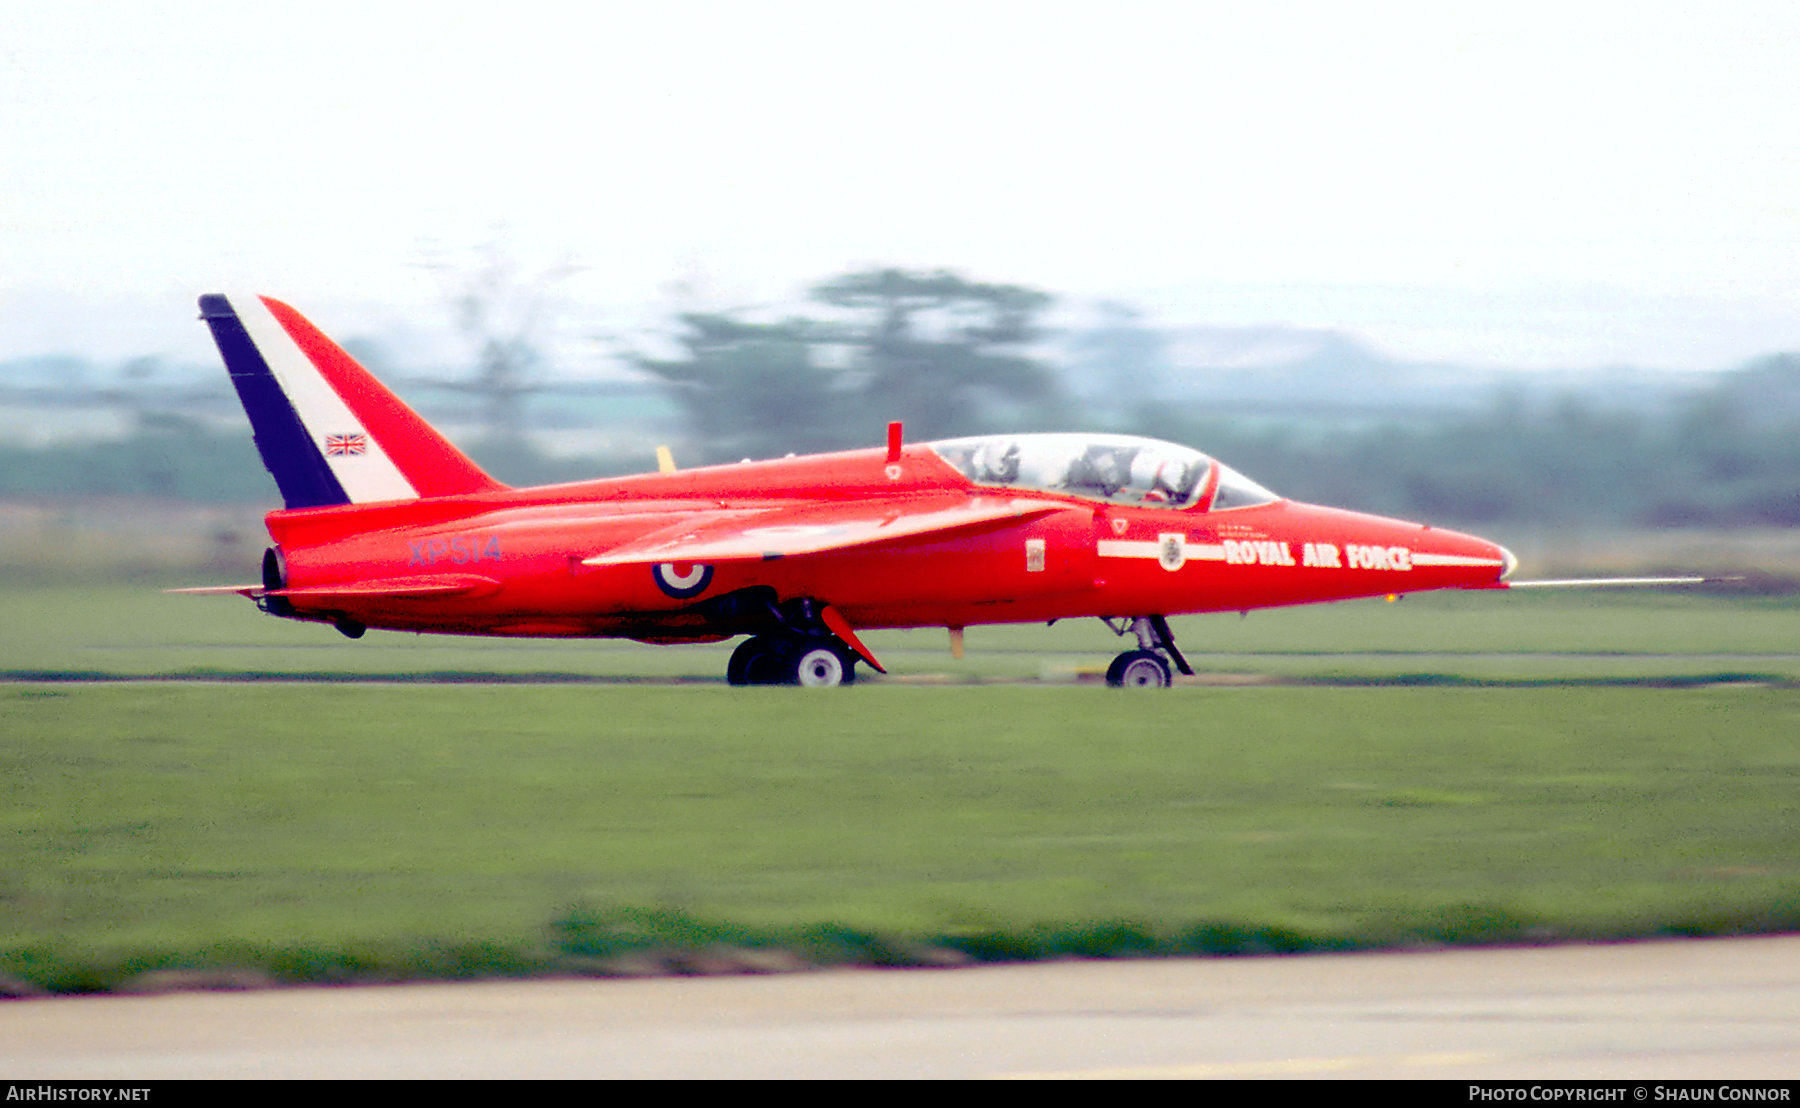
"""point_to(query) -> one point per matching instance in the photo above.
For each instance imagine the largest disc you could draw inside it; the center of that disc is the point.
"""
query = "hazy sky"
(1535, 184)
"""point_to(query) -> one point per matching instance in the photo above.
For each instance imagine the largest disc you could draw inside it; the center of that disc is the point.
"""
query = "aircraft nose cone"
(1512, 563)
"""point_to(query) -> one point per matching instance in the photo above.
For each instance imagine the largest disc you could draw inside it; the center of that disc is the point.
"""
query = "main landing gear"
(811, 661)
(1147, 667)
(800, 642)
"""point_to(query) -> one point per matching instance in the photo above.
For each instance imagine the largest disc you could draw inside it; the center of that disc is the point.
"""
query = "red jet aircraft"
(387, 524)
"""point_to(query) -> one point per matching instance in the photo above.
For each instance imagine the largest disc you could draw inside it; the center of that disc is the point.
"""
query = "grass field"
(136, 630)
(1469, 767)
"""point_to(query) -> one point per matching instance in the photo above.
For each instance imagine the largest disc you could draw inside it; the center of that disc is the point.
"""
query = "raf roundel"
(682, 585)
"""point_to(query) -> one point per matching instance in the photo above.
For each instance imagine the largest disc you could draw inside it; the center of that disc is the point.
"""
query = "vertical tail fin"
(328, 431)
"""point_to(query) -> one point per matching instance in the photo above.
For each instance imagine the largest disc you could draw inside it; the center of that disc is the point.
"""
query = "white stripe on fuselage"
(368, 476)
(1194, 552)
(1419, 559)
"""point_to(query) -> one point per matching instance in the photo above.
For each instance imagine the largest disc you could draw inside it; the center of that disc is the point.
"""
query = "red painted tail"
(328, 431)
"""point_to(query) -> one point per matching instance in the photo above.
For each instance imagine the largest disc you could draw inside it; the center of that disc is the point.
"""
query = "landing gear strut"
(1147, 667)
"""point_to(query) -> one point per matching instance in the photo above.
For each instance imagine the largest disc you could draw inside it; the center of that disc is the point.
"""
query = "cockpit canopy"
(1120, 469)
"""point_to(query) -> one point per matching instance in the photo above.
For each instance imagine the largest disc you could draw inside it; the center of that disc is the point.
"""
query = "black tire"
(1139, 669)
(757, 661)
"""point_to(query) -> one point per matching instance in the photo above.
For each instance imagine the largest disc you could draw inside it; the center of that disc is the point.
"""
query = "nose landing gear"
(1147, 667)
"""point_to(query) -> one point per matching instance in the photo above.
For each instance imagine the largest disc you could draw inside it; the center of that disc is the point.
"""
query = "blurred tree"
(943, 354)
(752, 390)
(503, 315)
(939, 351)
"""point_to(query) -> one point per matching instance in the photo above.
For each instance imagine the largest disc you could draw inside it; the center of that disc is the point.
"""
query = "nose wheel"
(1139, 669)
(1149, 666)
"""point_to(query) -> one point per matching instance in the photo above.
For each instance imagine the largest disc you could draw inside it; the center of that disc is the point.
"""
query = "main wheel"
(822, 664)
(758, 660)
(1139, 669)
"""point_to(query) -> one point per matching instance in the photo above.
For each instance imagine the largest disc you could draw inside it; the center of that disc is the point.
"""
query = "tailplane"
(328, 431)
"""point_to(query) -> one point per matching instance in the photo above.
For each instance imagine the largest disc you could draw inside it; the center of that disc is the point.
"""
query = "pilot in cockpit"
(996, 462)
(1163, 480)
(1102, 467)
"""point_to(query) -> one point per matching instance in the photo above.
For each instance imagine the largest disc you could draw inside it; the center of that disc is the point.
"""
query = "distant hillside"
(1302, 372)
(1766, 393)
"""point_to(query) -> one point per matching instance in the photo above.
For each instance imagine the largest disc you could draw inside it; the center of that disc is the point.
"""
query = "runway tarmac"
(1696, 1009)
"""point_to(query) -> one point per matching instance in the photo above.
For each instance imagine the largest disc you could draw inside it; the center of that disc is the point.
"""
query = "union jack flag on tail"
(328, 432)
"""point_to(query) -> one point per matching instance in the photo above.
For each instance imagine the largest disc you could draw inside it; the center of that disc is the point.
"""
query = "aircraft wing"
(759, 535)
